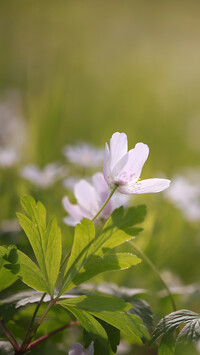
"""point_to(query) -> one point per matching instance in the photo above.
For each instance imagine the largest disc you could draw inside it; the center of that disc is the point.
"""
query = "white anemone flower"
(184, 193)
(123, 167)
(77, 349)
(45, 177)
(90, 198)
(8, 157)
(83, 154)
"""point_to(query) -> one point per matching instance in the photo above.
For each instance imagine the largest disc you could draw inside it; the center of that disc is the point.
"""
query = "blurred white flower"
(77, 349)
(90, 198)
(84, 154)
(12, 125)
(12, 132)
(70, 182)
(9, 226)
(8, 157)
(45, 177)
(184, 193)
(124, 167)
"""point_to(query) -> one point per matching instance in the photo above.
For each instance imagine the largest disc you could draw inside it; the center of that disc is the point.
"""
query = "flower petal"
(72, 209)
(129, 168)
(106, 166)
(145, 186)
(118, 148)
(70, 221)
(103, 192)
(86, 197)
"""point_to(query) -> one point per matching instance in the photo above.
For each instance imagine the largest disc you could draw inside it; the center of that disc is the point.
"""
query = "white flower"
(8, 157)
(90, 198)
(77, 349)
(123, 167)
(9, 226)
(184, 193)
(83, 154)
(12, 132)
(70, 182)
(43, 178)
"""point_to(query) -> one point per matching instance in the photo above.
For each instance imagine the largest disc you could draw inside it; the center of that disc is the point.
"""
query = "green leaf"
(52, 252)
(129, 324)
(167, 345)
(111, 312)
(191, 332)
(45, 241)
(6, 278)
(96, 303)
(142, 310)
(113, 338)
(90, 324)
(169, 323)
(99, 264)
(24, 268)
(81, 249)
(117, 230)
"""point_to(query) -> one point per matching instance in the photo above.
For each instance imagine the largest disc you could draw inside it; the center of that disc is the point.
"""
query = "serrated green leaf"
(6, 278)
(117, 230)
(81, 249)
(99, 264)
(25, 269)
(129, 324)
(52, 252)
(46, 242)
(97, 303)
(142, 309)
(91, 325)
(169, 323)
(191, 332)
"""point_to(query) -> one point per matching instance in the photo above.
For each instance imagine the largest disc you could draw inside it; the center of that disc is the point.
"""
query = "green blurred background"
(85, 69)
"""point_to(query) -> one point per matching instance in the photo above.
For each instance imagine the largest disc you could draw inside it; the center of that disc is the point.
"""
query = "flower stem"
(24, 344)
(46, 336)
(105, 203)
(50, 305)
(9, 335)
(153, 267)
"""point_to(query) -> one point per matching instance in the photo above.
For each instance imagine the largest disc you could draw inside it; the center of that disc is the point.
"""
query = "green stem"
(50, 305)
(9, 335)
(46, 336)
(153, 267)
(98, 213)
(65, 259)
(105, 203)
(25, 343)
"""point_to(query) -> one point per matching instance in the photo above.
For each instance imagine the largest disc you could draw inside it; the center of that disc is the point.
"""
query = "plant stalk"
(153, 267)
(25, 343)
(46, 336)
(9, 335)
(105, 203)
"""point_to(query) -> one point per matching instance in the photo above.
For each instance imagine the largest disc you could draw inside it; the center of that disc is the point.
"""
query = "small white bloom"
(90, 198)
(8, 157)
(9, 226)
(83, 154)
(123, 167)
(12, 132)
(77, 349)
(184, 193)
(70, 182)
(43, 178)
